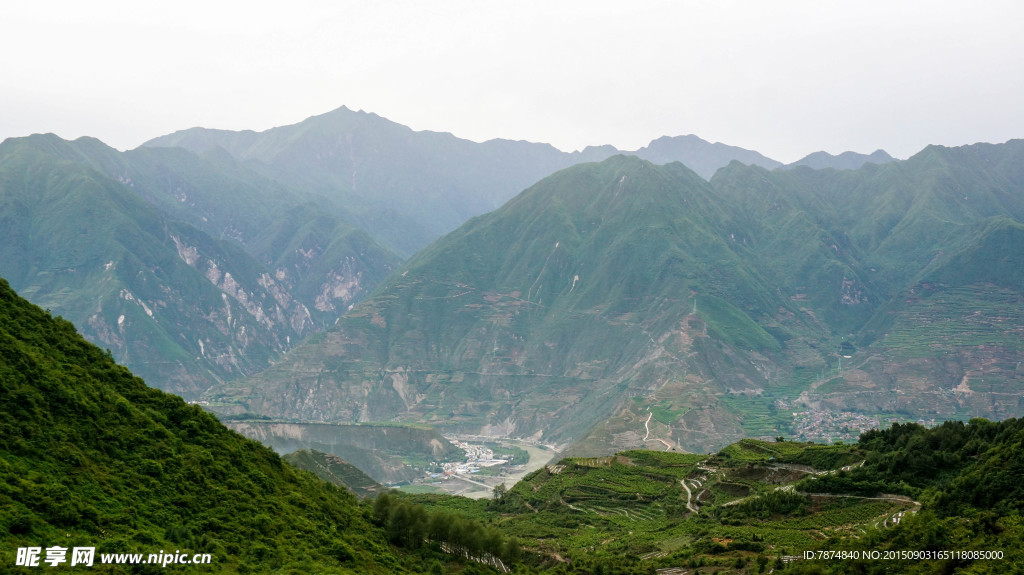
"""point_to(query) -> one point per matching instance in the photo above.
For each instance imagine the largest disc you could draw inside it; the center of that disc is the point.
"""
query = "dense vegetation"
(759, 506)
(91, 456)
(968, 478)
(411, 526)
(630, 513)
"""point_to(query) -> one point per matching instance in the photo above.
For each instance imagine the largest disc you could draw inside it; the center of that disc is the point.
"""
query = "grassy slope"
(628, 513)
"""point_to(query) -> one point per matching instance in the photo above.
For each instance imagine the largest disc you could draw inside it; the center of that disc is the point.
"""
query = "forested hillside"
(90, 456)
(967, 477)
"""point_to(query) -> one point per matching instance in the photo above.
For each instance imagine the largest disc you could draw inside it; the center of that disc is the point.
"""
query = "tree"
(418, 526)
(438, 526)
(499, 491)
(382, 508)
(512, 551)
(399, 524)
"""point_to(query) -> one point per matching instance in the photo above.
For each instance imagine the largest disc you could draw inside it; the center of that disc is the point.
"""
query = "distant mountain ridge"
(843, 161)
(408, 188)
(699, 155)
(198, 267)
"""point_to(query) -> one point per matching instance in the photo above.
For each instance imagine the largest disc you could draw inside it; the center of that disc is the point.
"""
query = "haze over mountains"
(201, 256)
(408, 188)
(615, 304)
(347, 286)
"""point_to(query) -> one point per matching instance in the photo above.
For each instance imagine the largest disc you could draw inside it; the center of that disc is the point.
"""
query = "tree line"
(410, 525)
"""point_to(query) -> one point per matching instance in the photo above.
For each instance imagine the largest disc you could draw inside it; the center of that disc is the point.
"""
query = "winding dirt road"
(689, 496)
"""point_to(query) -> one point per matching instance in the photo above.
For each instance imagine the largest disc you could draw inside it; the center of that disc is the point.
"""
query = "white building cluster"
(477, 456)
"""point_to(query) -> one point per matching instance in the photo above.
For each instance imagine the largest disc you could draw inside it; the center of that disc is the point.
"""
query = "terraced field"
(934, 322)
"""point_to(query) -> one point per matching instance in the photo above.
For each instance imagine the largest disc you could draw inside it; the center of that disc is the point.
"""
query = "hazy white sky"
(785, 78)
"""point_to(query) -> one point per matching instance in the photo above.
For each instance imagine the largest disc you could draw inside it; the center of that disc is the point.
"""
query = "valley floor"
(477, 486)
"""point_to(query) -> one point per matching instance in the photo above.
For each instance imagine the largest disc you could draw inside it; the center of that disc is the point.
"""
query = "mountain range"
(614, 304)
(202, 256)
(623, 304)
